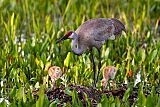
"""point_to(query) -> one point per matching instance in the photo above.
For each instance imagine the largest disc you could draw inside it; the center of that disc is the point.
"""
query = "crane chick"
(108, 72)
(55, 73)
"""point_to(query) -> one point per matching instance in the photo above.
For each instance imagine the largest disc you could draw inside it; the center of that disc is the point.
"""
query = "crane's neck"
(76, 47)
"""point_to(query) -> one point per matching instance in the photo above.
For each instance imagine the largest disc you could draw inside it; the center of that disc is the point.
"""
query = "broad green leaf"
(68, 92)
(3, 103)
(49, 24)
(37, 86)
(158, 104)
(12, 93)
(12, 20)
(22, 76)
(7, 28)
(126, 94)
(67, 60)
(143, 55)
(149, 101)
(99, 105)
(87, 100)
(153, 55)
(117, 102)
(20, 93)
(105, 101)
(68, 104)
(41, 64)
(40, 101)
(141, 97)
(67, 8)
(52, 104)
(75, 100)
(44, 45)
(46, 101)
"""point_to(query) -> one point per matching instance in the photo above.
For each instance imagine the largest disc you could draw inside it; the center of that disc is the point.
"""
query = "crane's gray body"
(95, 32)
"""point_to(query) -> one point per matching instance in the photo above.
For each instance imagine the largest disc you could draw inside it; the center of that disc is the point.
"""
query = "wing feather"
(100, 30)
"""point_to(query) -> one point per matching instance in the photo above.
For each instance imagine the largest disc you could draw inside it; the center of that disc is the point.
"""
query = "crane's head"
(68, 35)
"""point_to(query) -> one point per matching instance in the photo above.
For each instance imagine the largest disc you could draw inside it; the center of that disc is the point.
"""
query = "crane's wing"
(111, 29)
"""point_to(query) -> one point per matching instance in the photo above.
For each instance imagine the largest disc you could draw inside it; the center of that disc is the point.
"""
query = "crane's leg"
(93, 67)
(99, 64)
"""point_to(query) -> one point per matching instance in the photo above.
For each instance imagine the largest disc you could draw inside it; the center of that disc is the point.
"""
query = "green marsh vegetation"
(30, 28)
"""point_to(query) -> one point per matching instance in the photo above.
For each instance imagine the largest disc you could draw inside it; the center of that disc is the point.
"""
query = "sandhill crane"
(94, 33)
(108, 72)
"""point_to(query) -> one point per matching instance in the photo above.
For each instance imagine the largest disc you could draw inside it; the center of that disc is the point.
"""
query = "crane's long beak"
(62, 39)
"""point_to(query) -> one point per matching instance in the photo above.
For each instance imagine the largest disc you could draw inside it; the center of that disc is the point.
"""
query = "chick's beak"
(62, 39)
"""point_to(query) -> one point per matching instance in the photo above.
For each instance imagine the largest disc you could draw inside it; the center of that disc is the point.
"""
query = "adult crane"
(94, 33)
